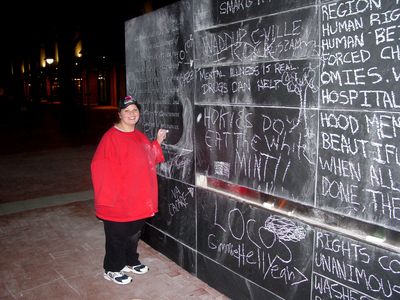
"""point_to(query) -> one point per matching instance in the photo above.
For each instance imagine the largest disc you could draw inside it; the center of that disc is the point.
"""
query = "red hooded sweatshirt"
(124, 176)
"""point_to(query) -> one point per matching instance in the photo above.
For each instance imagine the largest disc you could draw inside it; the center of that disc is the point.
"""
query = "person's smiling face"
(130, 115)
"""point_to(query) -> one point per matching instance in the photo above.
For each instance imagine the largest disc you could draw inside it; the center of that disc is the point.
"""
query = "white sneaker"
(117, 277)
(139, 269)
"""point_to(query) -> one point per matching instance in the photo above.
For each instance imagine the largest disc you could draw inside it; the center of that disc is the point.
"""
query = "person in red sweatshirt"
(125, 189)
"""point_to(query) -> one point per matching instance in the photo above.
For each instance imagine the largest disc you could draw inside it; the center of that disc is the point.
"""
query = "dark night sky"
(25, 24)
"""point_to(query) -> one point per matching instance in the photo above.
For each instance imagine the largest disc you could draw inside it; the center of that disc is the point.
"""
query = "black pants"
(121, 244)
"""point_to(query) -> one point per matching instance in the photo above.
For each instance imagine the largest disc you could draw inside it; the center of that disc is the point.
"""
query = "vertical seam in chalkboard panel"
(318, 104)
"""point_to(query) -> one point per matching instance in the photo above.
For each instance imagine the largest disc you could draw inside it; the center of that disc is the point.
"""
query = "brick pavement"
(52, 244)
(56, 253)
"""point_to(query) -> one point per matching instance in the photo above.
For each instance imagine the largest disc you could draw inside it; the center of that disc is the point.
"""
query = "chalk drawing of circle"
(199, 117)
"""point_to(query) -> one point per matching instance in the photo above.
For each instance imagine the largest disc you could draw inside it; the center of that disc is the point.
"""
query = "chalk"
(268, 204)
(374, 239)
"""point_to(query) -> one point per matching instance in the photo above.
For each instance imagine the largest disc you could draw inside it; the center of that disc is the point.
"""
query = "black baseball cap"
(126, 101)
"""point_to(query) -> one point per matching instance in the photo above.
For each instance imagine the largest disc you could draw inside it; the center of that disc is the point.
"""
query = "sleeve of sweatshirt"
(157, 150)
(105, 173)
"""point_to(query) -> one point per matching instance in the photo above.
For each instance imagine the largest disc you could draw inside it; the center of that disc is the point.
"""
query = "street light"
(49, 60)
(50, 78)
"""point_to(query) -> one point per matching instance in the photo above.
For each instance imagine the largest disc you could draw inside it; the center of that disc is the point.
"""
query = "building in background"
(65, 55)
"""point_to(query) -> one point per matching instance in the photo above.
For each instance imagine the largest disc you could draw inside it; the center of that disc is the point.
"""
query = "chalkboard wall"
(359, 162)
(159, 68)
(262, 148)
(290, 259)
(296, 101)
(265, 248)
(319, 100)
